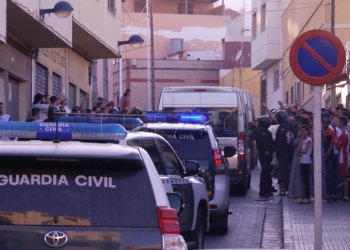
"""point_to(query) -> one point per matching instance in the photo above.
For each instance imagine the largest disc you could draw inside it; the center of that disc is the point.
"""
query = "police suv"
(60, 193)
(194, 219)
(198, 142)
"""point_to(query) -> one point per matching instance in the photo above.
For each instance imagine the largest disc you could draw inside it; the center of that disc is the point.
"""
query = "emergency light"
(128, 123)
(66, 131)
(176, 117)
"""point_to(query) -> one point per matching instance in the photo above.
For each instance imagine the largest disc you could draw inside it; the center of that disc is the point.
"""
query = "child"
(304, 149)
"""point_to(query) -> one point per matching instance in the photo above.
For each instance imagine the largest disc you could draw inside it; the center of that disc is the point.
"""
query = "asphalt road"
(254, 223)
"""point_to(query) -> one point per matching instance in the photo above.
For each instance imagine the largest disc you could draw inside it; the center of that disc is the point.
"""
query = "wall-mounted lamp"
(62, 9)
(134, 41)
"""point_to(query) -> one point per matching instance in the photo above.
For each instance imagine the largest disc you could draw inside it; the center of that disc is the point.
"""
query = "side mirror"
(192, 168)
(176, 202)
(229, 151)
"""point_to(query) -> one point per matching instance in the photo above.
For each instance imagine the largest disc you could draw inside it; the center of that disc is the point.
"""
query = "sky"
(237, 5)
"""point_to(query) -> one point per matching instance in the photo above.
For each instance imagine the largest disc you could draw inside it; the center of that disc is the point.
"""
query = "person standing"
(342, 145)
(121, 99)
(265, 144)
(126, 103)
(4, 118)
(282, 147)
(35, 115)
(304, 149)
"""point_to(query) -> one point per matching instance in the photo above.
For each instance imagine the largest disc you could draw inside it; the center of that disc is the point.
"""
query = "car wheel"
(242, 187)
(249, 180)
(200, 230)
(252, 163)
(223, 228)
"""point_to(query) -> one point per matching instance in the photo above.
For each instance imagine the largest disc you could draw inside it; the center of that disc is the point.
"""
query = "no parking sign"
(317, 57)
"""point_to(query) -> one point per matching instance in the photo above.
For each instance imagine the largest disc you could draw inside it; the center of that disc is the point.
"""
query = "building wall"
(167, 73)
(3, 21)
(70, 66)
(317, 17)
(107, 29)
(171, 7)
(250, 81)
(199, 33)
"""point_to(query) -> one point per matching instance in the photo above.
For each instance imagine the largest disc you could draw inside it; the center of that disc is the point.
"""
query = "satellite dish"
(239, 55)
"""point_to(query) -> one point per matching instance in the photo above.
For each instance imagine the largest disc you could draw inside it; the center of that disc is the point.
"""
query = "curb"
(288, 239)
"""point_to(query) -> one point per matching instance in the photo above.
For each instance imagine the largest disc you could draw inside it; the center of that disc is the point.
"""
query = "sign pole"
(317, 167)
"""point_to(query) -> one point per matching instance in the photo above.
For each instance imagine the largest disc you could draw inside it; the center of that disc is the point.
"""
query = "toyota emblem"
(55, 239)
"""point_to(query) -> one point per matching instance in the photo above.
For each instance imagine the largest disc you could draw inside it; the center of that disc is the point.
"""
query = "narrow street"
(254, 223)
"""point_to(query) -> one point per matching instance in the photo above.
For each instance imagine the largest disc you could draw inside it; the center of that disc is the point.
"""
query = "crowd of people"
(48, 108)
(285, 142)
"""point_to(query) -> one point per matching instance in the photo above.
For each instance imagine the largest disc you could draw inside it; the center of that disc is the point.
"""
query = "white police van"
(56, 192)
(186, 181)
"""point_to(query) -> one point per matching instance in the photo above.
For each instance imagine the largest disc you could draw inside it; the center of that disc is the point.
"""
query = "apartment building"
(43, 53)
(187, 46)
(267, 49)
(316, 14)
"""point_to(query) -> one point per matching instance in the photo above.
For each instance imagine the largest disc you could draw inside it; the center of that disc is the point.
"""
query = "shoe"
(272, 189)
(283, 193)
(304, 202)
(345, 199)
(264, 193)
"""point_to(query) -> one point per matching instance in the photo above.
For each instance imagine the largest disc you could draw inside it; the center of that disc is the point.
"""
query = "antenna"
(239, 55)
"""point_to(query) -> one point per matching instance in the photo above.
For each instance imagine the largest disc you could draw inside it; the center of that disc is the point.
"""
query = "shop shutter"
(41, 79)
(72, 96)
(82, 96)
(56, 80)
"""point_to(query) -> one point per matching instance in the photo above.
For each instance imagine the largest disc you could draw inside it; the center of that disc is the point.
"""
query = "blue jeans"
(332, 170)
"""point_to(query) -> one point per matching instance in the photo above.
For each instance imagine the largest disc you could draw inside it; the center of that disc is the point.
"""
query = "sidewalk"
(298, 225)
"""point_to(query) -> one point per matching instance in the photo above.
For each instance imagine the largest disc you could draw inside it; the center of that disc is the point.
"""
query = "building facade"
(182, 33)
(267, 49)
(317, 16)
(42, 53)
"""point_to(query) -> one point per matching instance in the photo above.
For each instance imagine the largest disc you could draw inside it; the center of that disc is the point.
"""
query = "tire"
(249, 180)
(222, 230)
(242, 187)
(252, 163)
(199, 233)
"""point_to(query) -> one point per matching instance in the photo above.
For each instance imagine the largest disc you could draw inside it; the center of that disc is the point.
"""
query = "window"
(111, 5)
(94, 76)
(181, 8)
(139, 5)
(298, 93)
(263, 95)
(56, 82)
(72, 100)
(311, 88)
(276, 80)
(105, 78)
(172, 165)
(82, 96)
(327, 103)
(152, 150)
(41, 84)
(263, 17)
(287, 96)
(291, 95)
(338, 99)
(254, 25)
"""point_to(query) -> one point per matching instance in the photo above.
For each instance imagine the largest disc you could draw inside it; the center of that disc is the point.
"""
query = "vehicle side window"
(134, 143)
(172, 164)
(151, 149)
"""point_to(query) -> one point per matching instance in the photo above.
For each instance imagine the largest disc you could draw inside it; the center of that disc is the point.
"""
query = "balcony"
(27, 29)
(266, 49)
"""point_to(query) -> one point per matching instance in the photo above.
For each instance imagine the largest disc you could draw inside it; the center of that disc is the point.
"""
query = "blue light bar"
(192, 118)
(156, 117)
(66, 131)
(128, 123)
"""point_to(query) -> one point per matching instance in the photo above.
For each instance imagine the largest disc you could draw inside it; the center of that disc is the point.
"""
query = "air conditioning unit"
(133, 62)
